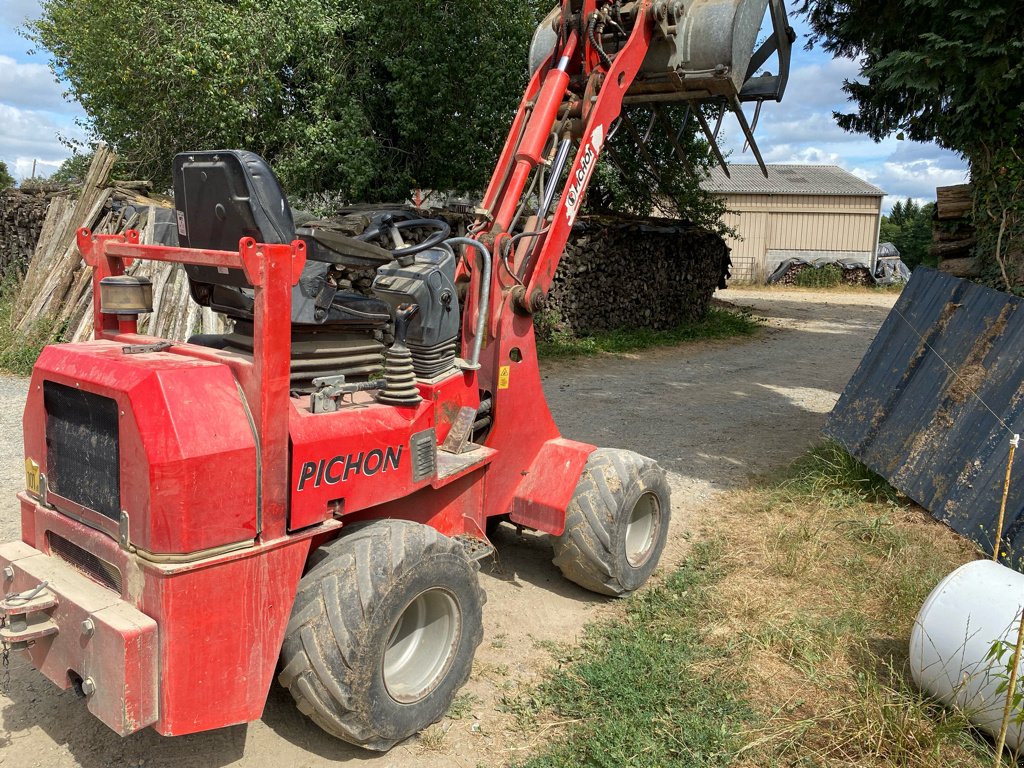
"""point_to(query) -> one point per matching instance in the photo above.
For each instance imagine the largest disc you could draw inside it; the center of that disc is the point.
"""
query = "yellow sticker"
(32, 476)
(503, 374)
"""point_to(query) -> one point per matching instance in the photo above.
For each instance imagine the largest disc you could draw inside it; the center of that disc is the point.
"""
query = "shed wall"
(811, 226)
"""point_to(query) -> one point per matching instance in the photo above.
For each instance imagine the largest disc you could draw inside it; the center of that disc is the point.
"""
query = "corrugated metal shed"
(935, 401)
(788, 180)
(817, 212)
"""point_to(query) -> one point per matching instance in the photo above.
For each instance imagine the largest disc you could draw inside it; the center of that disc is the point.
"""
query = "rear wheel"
(616, 524)
(383, 632)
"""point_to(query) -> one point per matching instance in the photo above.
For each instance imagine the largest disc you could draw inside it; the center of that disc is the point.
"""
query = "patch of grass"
(18, 352)
(718, 323)
(827, 276)
(432, 739)
(634, 693)
(781, 642)
(825, 569)
(463, 705)
(828, 472)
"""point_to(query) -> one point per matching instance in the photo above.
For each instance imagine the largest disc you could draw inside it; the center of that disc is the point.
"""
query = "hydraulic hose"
(594, 31)
(485, 295)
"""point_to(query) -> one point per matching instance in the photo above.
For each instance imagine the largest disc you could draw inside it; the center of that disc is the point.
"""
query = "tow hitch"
(27, 616)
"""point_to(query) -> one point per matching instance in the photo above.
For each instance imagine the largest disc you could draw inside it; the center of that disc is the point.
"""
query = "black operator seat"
(222, 196)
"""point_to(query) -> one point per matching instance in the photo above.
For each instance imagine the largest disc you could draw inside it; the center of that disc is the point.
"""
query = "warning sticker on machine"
(503, 374)
(32, 476)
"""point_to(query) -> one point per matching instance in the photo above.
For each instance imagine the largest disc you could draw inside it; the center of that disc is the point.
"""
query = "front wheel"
(383, 632)
(616, 524)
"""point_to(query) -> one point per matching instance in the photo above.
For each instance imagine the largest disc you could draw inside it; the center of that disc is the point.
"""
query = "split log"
(952, 249)
(962, 267)
(958, 232)
(51, 239)
(953, 202)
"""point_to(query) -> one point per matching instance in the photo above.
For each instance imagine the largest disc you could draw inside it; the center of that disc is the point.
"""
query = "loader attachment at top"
(705, 52)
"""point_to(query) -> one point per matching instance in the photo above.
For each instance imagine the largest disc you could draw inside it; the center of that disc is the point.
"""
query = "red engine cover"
(186, 448)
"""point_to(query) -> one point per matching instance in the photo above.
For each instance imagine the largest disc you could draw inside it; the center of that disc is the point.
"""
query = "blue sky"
(33, 115)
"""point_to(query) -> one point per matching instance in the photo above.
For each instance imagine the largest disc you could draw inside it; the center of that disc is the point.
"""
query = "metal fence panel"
(934, 403)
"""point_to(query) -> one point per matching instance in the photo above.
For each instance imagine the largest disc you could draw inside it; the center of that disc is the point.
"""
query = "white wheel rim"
(642, 529)
(421, 645)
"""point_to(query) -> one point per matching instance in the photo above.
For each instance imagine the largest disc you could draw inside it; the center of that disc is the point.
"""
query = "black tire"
(349, 658)
(616, 524)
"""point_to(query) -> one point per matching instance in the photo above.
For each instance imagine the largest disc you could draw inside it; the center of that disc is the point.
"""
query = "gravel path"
(713, 414)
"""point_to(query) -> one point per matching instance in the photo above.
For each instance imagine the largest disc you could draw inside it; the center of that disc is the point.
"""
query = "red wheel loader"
(309, 493)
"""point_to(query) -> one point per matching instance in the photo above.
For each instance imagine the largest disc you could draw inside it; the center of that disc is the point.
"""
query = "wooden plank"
(46, 297)
(58, 219)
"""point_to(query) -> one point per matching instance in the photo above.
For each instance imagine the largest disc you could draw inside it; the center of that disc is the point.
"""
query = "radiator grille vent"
(95, 568)
(82, 448)
(424, 454)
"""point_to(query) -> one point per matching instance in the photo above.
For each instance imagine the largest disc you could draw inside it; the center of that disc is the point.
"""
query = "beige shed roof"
(789, 180)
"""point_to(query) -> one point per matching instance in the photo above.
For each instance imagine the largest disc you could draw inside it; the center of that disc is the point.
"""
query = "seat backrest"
(220, 197)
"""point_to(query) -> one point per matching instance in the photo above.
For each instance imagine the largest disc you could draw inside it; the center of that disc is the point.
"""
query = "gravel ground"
(713, 414)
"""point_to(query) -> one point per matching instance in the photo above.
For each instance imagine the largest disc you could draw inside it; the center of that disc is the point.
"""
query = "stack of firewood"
(953, 237)
(857, 276)
(22, 212)
(848, 275)
(636, 274)
(789, 276)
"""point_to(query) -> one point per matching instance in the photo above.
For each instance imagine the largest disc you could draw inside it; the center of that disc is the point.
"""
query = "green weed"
(829, 472)
(555, 341)
(827, 276)
(18, 352)
(633, 694)
(463, 705)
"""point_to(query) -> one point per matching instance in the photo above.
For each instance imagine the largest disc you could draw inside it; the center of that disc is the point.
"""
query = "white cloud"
(790, 153)
(31, 86)
(802, 130)
(918, 179)
(32, 135)
(820, 84)
(890, 200)
(807, 126)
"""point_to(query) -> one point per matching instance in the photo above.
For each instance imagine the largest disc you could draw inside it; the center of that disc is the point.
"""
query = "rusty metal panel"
(935, 401)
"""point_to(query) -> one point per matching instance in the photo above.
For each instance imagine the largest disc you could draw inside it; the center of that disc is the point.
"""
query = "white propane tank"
(974, 606)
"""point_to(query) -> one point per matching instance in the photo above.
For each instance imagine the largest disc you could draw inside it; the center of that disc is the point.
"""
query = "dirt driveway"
(713, 414)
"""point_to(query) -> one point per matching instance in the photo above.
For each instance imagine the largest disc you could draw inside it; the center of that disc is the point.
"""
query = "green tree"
(6, 180)
(653, 179)
(909, 228)
(72, 170)
(948, 70)
(368, 98)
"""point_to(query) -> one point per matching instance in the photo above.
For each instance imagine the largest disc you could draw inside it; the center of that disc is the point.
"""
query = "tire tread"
(584, 552)
(334, 600)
